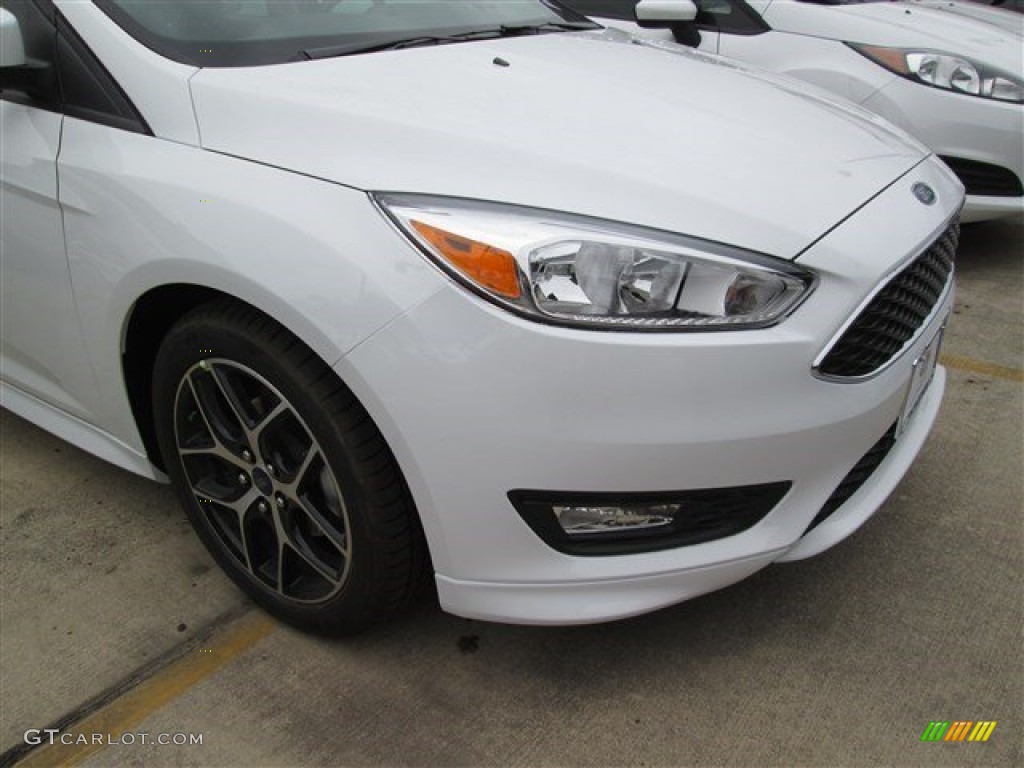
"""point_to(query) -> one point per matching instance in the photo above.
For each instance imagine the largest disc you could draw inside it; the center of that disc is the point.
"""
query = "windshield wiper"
(512, 30)
(505, 30)
(347, 49)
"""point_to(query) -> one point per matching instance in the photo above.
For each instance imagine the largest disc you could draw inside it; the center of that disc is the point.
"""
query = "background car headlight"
(579, 271)
(946, 70)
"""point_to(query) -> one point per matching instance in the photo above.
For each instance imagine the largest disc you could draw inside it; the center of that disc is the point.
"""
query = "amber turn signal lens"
(489, 267)
(892, 59)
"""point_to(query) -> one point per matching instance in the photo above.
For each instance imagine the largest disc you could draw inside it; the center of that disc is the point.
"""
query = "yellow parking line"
(126, 712)
(982, 368)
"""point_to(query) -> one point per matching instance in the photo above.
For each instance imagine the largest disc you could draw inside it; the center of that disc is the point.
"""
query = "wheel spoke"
(202, 414)
(228, 520)
(314, 562)
(338, 539)
(241, 505)
(232, 400)
(215, 417)
(263, 540)
(300, 473)
(257, 431)
(218, 451)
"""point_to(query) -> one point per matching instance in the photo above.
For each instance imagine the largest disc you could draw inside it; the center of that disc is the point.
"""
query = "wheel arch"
(151, 317)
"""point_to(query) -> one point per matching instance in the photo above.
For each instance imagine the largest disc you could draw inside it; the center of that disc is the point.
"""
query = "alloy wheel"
(262, 481)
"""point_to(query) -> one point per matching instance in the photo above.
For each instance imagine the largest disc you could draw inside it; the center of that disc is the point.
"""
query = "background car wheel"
(283, 474)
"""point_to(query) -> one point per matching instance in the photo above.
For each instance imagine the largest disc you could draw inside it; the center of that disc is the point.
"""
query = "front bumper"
(587, 602)
(476, 402)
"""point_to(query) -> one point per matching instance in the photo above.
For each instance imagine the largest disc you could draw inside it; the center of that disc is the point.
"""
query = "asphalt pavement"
(115, 623)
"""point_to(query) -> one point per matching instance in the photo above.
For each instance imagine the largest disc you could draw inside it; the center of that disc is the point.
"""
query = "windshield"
(226, 33)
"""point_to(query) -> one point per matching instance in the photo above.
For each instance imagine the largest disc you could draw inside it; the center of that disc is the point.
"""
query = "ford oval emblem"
(924, 193)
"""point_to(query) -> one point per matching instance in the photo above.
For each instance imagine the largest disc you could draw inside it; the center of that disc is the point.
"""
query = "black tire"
(247, 418)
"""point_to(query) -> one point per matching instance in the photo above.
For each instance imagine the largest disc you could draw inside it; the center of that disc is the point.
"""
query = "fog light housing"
(601, 524)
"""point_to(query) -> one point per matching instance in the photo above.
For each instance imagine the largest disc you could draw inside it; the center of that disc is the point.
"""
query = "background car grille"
(985, 178)
(857, 476)
(896, 312)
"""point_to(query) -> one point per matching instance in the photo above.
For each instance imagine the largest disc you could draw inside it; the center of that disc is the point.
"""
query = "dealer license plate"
(920, 377)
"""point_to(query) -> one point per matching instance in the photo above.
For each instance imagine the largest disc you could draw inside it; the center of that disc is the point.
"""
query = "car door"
(620, 14)
(41, 353)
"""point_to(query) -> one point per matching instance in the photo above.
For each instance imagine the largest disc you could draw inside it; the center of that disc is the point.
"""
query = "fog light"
(601, 524)
(588, 520)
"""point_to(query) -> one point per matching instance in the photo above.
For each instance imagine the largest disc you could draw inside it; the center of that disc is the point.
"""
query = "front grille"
(985, 178)
(894, 315)
(857, 476)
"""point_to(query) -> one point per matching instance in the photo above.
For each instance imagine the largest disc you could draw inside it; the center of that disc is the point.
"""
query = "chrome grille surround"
(893, 316)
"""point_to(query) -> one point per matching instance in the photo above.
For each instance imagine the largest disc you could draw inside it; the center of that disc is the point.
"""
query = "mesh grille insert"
(985, 178)
(894, 315)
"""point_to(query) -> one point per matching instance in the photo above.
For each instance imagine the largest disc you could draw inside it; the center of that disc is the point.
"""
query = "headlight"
(946, 70)
(578, 271)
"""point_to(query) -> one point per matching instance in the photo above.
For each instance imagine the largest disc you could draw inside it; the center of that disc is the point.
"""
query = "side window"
(89, 90)
(38, 33)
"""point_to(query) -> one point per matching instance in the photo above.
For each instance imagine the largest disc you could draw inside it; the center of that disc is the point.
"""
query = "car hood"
(590, 123)
(908, 25)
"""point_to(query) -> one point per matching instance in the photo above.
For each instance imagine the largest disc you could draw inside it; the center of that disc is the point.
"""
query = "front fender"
(141, 213)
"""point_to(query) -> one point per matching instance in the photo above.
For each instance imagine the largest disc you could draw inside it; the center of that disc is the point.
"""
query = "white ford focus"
(949, 73)
(583, 327)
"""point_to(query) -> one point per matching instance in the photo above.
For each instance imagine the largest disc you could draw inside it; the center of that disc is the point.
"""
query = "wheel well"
(153, 315)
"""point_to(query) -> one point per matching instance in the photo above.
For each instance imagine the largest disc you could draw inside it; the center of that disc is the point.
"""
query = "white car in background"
(951, 74)
(1000, 15)
(1009, 5)
(365, 282)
